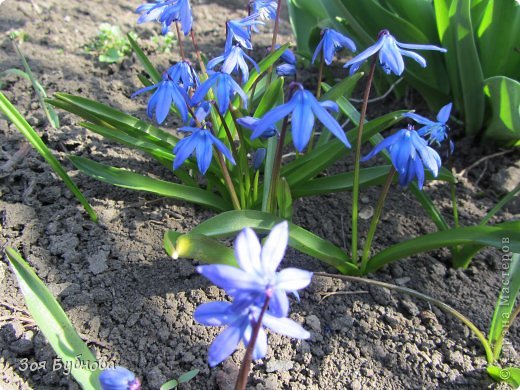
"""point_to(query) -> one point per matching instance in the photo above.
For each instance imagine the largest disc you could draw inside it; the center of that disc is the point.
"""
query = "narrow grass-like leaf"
(342, 89)
(478, 235)
(127, 179)
(263, 65)
(510, 375)
(30, 134)
(147, 65)
(188, 376)
(172, 384)
(501, 203)
(506, 299)
(228, 224)
(54, 324)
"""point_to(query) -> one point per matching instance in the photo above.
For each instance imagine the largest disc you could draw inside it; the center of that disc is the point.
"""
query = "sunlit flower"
(286, 70)
(265, 8)
(118, 378)
(258, 158)
(184, 74)
(331, 42)
(390, 54)
(224, 88)
(436, 132)
(168, 92)
(410, 154)
(240, 31)
(234, 60)
(304, 108)
(200, 142)
(166, 12)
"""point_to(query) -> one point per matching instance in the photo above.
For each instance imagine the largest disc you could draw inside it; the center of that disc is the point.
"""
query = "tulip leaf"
(32, 136)
(473, 235)
(127, 179)
(504, 96)
(510, 265)
(230, 223)
(54, 324)
(510, 375)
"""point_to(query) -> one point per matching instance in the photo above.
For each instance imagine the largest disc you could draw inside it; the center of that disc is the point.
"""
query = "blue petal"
(145, 89)
(418, 118)
(204, 152)
(317, 51)
(420, 47)
(329, 122)
(214, 314)
(389, 57)
(419, 172)
(247, 251)
(223, 149)
(444, 113)
(274, 247)
(225, 344)
(183, 150)
(272, 117)
(260, 348)
(279, 303)
(285, 326)
(291, 279)
(164, 102)
(418, 58)
(387, 142)
(217, 60)
(116, 378)
(364, 55)
(302, 121)
(230, 278)
(203, 89)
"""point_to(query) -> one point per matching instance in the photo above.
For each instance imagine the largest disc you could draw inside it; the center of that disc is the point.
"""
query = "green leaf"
(169, 385)
(32, 136)
(263, 66)
(510, 375)
(188, 376)
(302, 23)
(504, 97)
(54, 323)
(127, 179)
(501, 203)
(230, 223)
(479, 235)
(147, 65)
(342, 89)
(510, 265)
(284, 199)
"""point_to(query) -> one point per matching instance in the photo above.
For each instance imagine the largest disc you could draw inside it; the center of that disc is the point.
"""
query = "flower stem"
(275, 37)
(453, 185)
(497, 346)
(357, 157)
(275, 174)
(375, 219)
(197, 53)
(243, 374)
(417, 294)
(179, 38)
(227, 179)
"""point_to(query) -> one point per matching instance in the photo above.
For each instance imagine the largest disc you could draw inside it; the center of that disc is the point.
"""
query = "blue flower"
(286, 70)
(288, 56)
(390, 54)
(168, 92)
(265, 8)
(410, 154)
(435, 131)
(167, 12)
(304, 108)
(240, 321)
(258, 158)
(250, 123)
(234, 60)
(257, 277)
(201, 142)
(240, 31)
(224, 88)
(119, 378)
(331, 42)
(184, 74)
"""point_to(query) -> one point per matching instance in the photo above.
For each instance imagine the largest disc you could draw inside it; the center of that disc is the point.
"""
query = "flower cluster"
(251, 285)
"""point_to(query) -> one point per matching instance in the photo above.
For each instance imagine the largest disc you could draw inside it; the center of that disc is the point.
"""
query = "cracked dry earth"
(134, 305)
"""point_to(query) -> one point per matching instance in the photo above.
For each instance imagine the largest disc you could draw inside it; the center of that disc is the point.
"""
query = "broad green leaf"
(478, 235)
(188, 376)
(284, 199)
(198, 247)
(54, 324)
(147, 65)
(127, 179)
(504, 97)
(32, 136)
(510, 266)
(510, 375)
(169, 385)
(302, 23)
(230, 223)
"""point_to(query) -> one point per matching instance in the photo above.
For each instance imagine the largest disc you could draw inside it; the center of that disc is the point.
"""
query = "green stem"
(355, 188)
(243, 374)
(453, 186)
(497, 347)
(275, 173)
(417, 294)
(375, 219)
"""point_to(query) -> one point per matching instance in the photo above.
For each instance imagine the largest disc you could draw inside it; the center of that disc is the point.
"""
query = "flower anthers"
(437, 131)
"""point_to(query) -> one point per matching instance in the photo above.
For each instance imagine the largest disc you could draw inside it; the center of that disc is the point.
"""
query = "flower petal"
(274, 247)
(230, 278)
(444, 113)
(214, 314)
(247, 251)
(292, 279)
(225, 344)
(285, 326)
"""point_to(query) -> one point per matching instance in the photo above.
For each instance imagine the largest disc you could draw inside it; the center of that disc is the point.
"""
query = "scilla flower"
(201, 141)
(266, 9)
(168, 92)
(184, 74)
(234, 60)
(331, 42)
(304, 108)
(257, 277)
(224, 88)
(390, 54)
(119, 378)
(286, 70)
(240, 31)
(410, 154)
(166, 12)
(435, 131)
(250, 123)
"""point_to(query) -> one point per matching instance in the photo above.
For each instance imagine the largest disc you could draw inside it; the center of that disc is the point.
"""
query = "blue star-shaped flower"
(331, 42)
(201, 141)
(240, 321)
(410, 154)
(304, 108)
(184, 74)
(166, 12)
(234, 60)
(119, 378)
(240, 31)
(435, 131)
(390, 54)
(265, 8)
(286, 70)
(224, 88)
(168, 92)
(250, 123)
